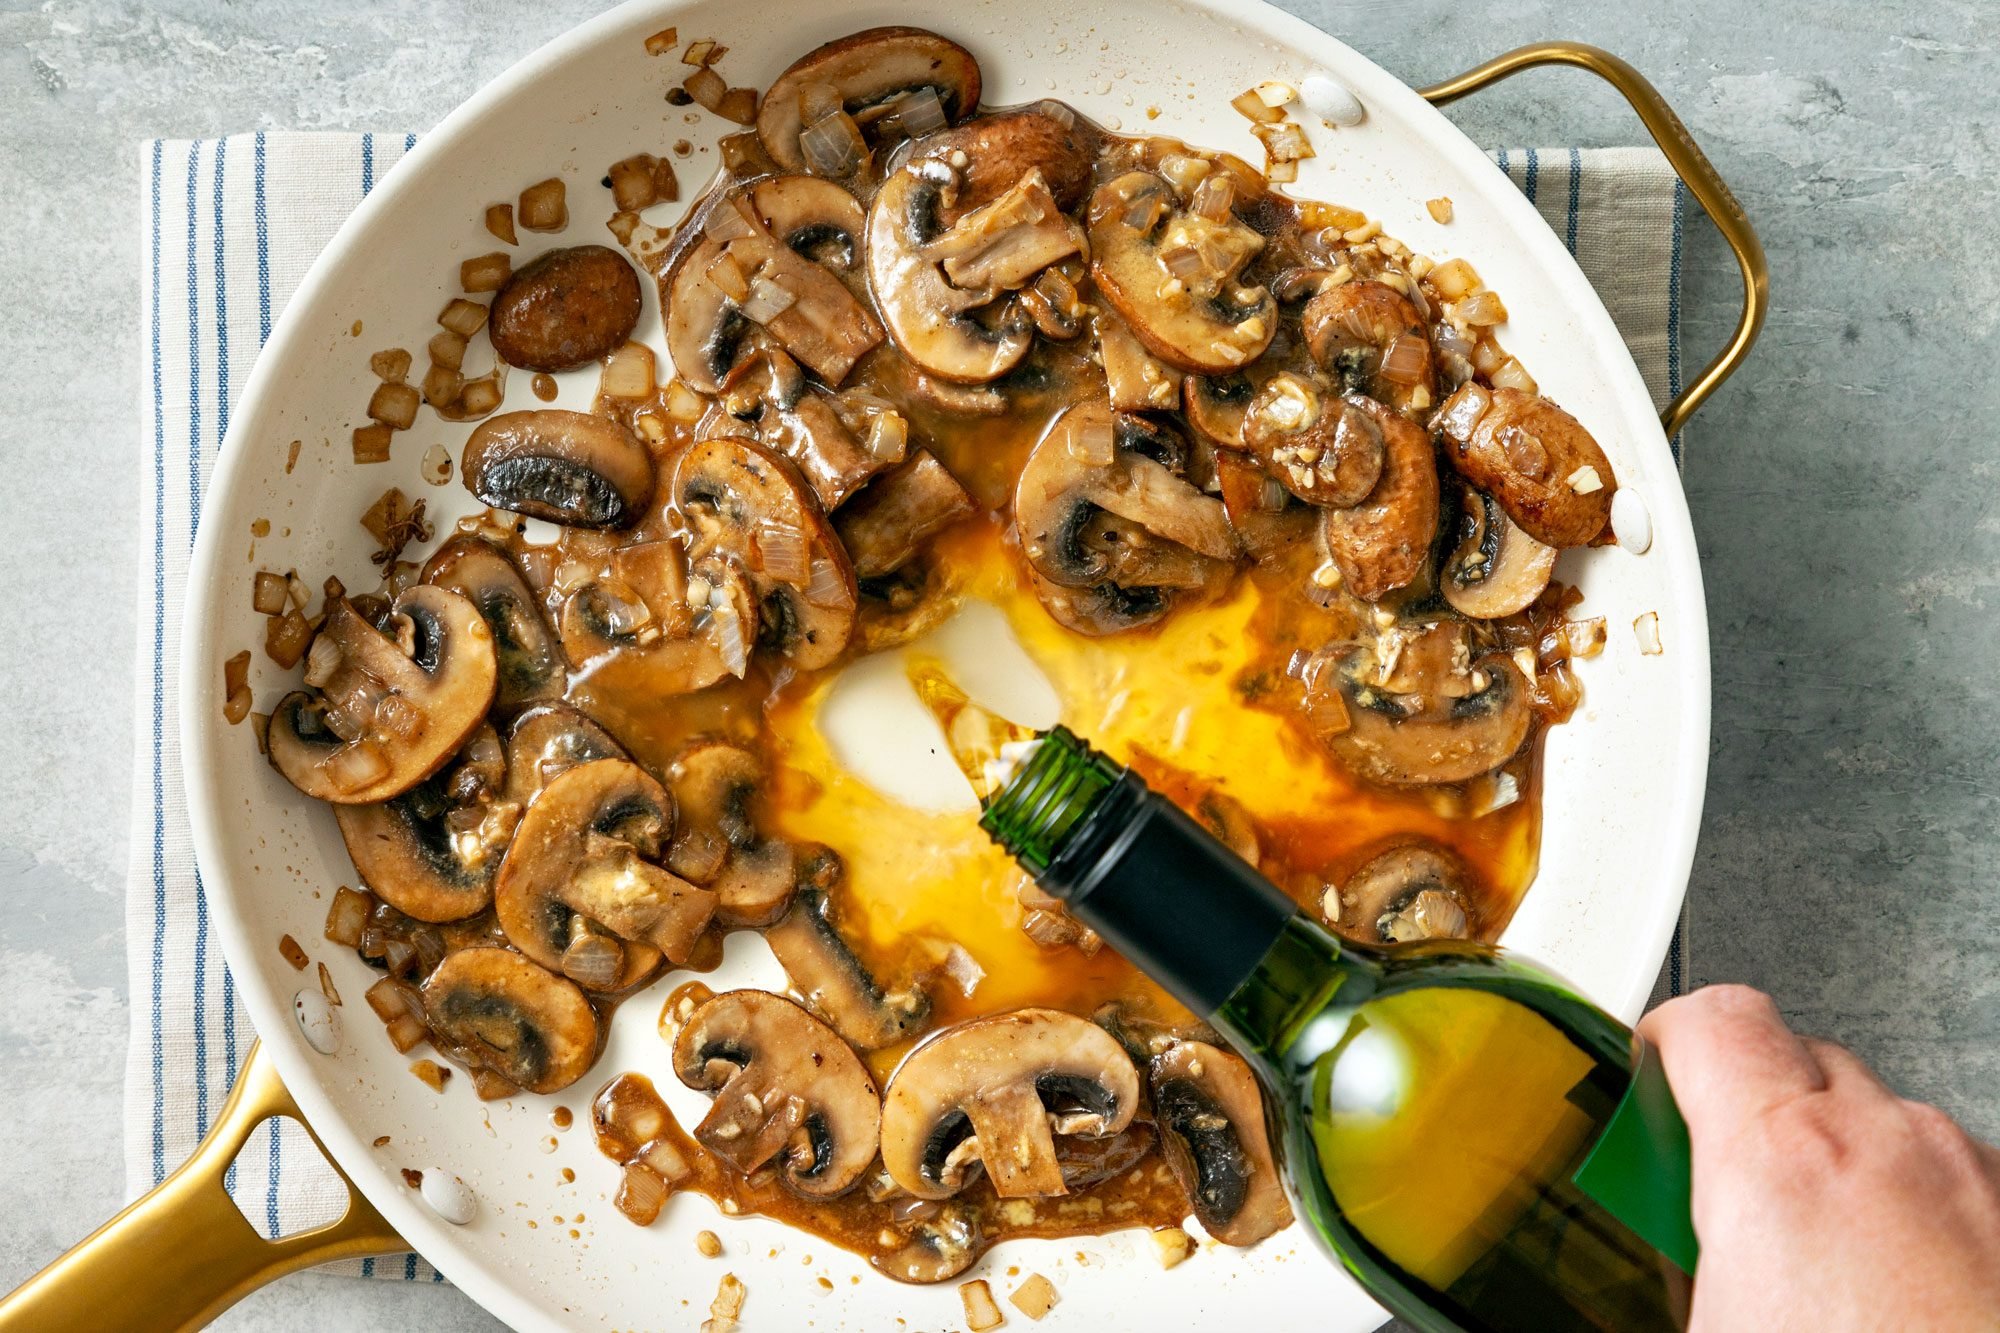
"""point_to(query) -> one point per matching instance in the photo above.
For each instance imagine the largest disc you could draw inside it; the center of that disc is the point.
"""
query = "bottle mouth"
(1035, 810)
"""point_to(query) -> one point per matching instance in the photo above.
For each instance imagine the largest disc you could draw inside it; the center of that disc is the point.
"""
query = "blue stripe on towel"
(1674, 328)
(263, 253)
(159, 697)
(1534, 176)
(194, 482)
(1575, 196)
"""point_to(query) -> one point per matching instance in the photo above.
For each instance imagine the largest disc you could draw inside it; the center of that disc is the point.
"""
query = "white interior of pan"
(1624, 778)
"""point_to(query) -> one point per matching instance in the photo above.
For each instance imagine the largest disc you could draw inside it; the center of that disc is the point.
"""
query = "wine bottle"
(1481, 1147)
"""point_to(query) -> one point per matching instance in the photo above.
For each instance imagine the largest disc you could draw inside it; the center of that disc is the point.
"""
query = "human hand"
(1822, 1200)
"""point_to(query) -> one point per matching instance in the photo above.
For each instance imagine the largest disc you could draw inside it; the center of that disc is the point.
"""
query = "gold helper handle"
(182, 1254)
(1688, 162)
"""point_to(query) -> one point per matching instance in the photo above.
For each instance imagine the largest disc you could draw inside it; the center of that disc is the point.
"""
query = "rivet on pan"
(1330, 100)
(1631, 521)
(449, 1197)
(317, 1020)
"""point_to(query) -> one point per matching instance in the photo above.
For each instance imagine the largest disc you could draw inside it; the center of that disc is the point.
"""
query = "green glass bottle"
(1481, 1147)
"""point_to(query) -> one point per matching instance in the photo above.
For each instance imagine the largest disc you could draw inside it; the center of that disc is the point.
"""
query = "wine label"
(1640, 1170)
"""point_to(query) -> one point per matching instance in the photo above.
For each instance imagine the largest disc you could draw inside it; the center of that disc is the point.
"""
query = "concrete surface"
(1842, 488)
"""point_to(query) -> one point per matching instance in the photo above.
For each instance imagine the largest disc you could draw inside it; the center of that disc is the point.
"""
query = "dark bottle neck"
(1129, 864)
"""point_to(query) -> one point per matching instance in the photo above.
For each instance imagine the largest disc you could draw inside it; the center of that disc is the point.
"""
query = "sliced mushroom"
(1098, 514)
(1373, 337)
(1088, 1163)
(1225, 817)
(718, 845)
(675, 633)
(995, 1092)
(384, 714)
(1448, 730)
(800, 424)
(549, 739)
(1212, 1132)
(899, 511)
(1001, 245)
(785, 1084)
(1267, 519)
(565, 309)
(528, 658)
(1214, 404)
(586, 848)
(970, 337)
(1382, 543)
(743, 274)
(1326, 450)
(742, 502)
(1000, 150)
(1138, 380)
(939, 1248)
(431, 853)
(1534, 458)
(573, 468)
(1172, 273)
(864, 70)
(1418, 891)
(901, 607)
(522, 1021)
(1496, 569)
(836, 984)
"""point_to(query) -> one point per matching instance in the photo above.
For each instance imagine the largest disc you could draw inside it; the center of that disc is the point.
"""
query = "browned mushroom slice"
(1173, 272)
(572, 468)
(1417, 891)
(799, 423)
(903, 606)
(1534, 458)
(1324, 450)
(432, 852)
(1382, 543)
(899, 511)
(746, 504)
(836, 984)
(786, 1088)
(868, 70)
(1438, 726)
(1267, 519)
(521, 1020)
(742, 273)
(675, 631)
(565, 309)
(1496, 569)
(1373, 337)
(719, 845)
(586, 848)
(1001, 150)
(939, 1247)
(530, 662)
(550, 739)
(1099, 516)
(1002, 244)
(995, 1092)
(1138, 380)
(383, 714)
(1211, 1120)
(969, 337)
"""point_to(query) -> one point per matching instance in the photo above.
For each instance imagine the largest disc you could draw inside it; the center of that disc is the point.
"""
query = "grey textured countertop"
(1841, 485)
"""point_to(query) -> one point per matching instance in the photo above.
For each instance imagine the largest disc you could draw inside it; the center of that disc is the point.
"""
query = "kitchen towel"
(230, 226)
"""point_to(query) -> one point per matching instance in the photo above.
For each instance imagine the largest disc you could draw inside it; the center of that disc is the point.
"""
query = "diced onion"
(593, 961)
(500, 221)
(394, 406)
(728, 277)
(963, 969)
(628, 372)
(833, 146)
(729, 640)
(663, 41)
(725, 223)
(236, 688)
(347, 917)
(1407, 360)
(1274, 92)
(767, 300)
(463, 317)
(1439, 208)
(1461, 415)
(1281, 173)
(1185, 171)
(1481, 309)
(920, 112)
(827, 588)
(641, 1193)
(267, 595)
(1285, 142)
(1184, 262)
(1454, 279)
(706, 87)
(1060, 112)
(352, 767)
(447, 349)
(782, 549)
(485, 273)
(1585, 639)
(1256, 108)
(1095, 445)
(389, 998)
(817, 101)
(489, 1086)
(1513, 375)
(407, 1031)
(888, 436)
(738, 105)
(1647, 628)
(700, 52)
(371, 443)
(544, 205)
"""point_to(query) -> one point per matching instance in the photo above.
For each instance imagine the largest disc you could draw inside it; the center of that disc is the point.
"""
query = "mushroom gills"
(751, 874)
(836, 984)
(786, 1088)
(1496, 569)
(1213, 1135)
(529, 660)
(868, 69)
(521, 1020)
(546, 741)
(1417, 891)
(432, 852)
(572, 468)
